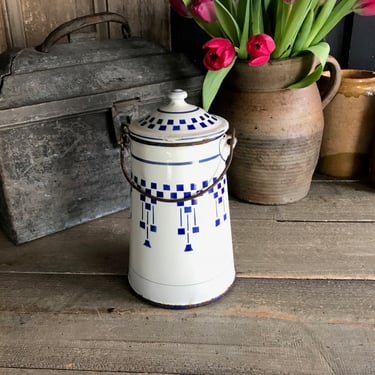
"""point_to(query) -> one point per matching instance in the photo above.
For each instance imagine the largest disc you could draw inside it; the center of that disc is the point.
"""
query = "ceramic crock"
(181, 252)
(349, 126)
(279, 129)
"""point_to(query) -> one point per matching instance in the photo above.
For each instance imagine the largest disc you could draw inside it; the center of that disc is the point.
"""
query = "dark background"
(352, 41)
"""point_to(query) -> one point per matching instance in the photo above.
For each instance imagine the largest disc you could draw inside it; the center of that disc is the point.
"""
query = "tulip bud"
(365, 7)
(180, 8)
(259, 47)
(220, 54)
(204, 10)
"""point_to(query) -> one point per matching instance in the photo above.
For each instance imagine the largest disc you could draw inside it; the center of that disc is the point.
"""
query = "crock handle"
(124, 142)
(81, 22)
(334, 81)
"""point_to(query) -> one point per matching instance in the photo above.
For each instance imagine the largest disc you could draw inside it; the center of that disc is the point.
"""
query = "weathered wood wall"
(3, 41)
(152, 18)
(27, 22)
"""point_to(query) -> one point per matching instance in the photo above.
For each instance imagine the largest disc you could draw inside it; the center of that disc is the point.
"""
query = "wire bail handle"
(124, 146)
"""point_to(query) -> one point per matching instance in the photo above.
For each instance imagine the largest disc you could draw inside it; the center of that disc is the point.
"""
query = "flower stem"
(256, 17)
(298, 13)
(301, 42)
(242, 52)
(342, 9)
(324, 12)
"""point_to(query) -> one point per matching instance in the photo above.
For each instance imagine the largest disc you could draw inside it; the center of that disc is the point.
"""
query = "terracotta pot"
(349, 126)
(279, 130)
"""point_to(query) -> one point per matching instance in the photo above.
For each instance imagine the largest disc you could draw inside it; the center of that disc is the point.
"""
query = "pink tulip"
(180, 8)
(259, 47)
(220, 53)
(204, 10)
(365, 7)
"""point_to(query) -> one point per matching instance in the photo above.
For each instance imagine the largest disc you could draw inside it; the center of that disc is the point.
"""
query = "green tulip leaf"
(242, 53)
(227, 22)
(321, 52)
(212, 29)
(228, 4)
(212, 83)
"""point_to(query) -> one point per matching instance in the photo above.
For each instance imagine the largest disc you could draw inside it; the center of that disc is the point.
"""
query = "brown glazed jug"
(279, 130)
(349, 126)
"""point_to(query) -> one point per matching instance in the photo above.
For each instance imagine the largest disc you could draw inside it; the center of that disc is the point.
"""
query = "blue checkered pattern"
(188, 220)
(174, 124)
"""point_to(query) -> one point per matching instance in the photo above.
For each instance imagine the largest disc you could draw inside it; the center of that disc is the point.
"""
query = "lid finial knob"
(178, 95)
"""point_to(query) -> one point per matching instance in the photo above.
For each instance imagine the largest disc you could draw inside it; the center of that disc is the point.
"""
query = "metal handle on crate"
(124, 142)
(81, 22)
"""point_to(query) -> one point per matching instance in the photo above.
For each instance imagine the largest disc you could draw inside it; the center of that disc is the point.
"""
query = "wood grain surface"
(94, 323)
(302, 302)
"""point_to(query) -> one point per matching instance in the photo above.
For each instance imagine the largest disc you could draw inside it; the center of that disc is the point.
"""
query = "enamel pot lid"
(179, 122)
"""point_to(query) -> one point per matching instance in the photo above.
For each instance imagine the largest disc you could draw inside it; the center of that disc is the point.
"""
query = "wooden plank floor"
(303, 301)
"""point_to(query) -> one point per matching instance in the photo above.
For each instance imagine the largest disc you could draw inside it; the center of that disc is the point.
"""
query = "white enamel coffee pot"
(181, 252)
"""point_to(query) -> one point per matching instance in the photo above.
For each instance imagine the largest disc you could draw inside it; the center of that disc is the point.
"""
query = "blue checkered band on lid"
(178, 122)
(182, 125)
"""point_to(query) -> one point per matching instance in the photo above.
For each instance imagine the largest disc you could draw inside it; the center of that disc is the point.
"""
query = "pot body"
(349, 126)
(181, 252)
(279, 131)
